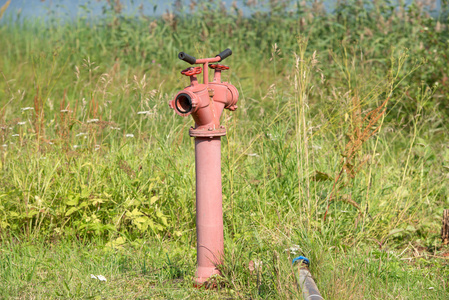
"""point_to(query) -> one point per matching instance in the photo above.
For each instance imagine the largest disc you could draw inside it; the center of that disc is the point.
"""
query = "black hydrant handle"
(187, 58)
(192, 60)
(225, 53)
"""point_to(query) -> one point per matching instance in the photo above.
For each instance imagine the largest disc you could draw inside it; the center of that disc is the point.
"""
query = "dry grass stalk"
(63, 111)
(39, 118)
(445, 228)
(123, 165)
(355, 144)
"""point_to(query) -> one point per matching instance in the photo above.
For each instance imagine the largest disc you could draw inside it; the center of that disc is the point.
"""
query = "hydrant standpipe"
(205, 102)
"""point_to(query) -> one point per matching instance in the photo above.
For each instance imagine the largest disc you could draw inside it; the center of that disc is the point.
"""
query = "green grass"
(116, 196)
(157, 268)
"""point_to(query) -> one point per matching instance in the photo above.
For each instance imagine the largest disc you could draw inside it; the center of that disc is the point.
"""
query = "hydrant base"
(203, 274)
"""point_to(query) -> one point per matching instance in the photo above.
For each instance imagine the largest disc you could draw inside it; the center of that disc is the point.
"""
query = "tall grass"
(339, 146)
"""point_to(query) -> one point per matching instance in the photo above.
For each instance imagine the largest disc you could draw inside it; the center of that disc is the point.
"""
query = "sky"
(72, 8)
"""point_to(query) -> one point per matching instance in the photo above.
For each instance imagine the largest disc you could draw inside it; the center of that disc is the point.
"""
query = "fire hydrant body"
(205, 102)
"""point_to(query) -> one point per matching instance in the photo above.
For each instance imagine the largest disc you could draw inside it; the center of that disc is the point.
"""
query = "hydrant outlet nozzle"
(183, 103)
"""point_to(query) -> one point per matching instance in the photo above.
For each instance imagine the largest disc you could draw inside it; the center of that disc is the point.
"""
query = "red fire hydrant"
(205, 103)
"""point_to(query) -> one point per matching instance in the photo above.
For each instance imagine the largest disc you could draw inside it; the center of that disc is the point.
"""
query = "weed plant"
(338, 151)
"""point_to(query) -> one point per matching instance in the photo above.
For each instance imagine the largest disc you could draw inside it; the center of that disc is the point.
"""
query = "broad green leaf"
(71, 211)
(73, 200)
(32, 213)
(136, 212)
(83, 204)
(13, 214)
(141, 219)
(320, 176)
(153, 199)
(395, 231)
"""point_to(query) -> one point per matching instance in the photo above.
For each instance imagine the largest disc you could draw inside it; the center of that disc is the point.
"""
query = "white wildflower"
(4, 145)
(38, 200)
(294, 249)
(15, 134)
(253, 154)
(50, 103)
(115, 128)
(99, 277)
(92, 121)
(76, 146)
(272, 137)
(129, 135)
